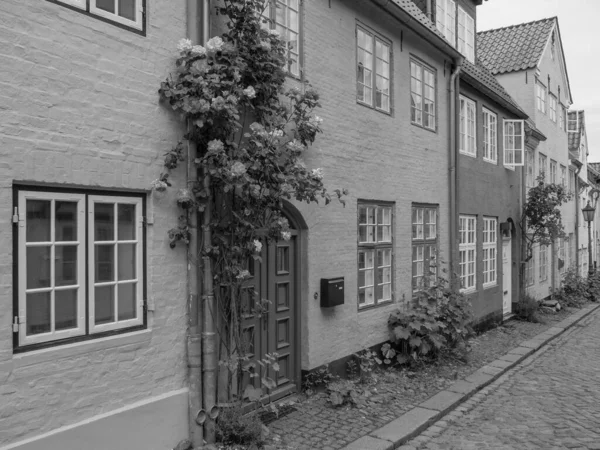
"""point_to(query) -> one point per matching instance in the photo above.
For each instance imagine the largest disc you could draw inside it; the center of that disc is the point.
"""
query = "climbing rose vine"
(251, 134)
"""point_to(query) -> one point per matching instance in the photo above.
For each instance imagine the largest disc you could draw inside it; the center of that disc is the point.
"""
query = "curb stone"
(418, 419)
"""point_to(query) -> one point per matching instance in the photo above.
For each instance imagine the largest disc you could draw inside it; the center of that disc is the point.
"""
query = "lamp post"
(588, 216)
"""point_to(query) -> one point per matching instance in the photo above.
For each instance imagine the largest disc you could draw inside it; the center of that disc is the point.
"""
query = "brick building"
(529, 62)
(92, 300)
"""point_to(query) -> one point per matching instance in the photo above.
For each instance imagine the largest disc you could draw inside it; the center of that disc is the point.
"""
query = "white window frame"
(139, 280)
(466, 35)
(422, 91)
(514, 143)
(552, 101)
(445, 19)
(286, 30)
(468, 127)
(574, 122)
(542, 166)
(467, 231)
(553, 171)
(490, 136)
(529, 169)
(541, 96)
(543, 254)
(377, 42)
(52, 335)
(424, 236)
(563, 176)
(377, 243)
(490, 251)
(571, 181)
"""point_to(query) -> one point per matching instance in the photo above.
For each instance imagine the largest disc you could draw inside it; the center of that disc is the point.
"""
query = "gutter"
(453, 133)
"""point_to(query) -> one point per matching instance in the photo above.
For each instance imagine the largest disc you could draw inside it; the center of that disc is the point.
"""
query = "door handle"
(505, 292)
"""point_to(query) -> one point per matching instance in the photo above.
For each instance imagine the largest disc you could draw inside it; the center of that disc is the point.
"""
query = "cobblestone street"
(551, 401)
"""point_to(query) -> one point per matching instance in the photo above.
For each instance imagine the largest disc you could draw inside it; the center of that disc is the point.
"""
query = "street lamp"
(588, 216)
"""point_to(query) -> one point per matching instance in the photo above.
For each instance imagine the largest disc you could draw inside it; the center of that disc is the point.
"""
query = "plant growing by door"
(251, 134)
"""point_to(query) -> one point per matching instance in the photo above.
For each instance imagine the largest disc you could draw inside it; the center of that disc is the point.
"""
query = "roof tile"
(513, 48)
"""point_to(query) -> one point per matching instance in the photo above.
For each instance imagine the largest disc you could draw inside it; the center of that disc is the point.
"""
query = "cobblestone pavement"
(551, 401)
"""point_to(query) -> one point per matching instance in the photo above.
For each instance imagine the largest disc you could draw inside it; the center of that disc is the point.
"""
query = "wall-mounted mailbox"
(332, 292)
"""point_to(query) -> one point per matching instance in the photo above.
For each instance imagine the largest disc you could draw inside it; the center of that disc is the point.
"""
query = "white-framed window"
(541, 94)
(129, 13)
(373, 78)
(563, 176)
(571, 181)
(467, 231)
(552, 101)
(514, 143)
(424, 246)
(530, 169)
(573, 122)
(553, 170)
(467, 126)
(80, 265)
(490, 136)
(561, 117)
(284, 16)
(374, 254)
(543, 166)
(490, 248)
(562, 256)
(445, 19)
(543, 253)
(422, 95)
(466, 35)
(530, 269)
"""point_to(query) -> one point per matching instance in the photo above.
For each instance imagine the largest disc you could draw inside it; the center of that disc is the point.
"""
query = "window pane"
(65, 224)
(369, 296)
(105, 304)
(126, 222)
(65, 309)
(38, 221)
(127, 261)
(38, 313)
(38, 267)
(65, 265)
(105, 263)
(127, 9)
(127, 301)
(362, 214)
(104, 221)
(106, 5)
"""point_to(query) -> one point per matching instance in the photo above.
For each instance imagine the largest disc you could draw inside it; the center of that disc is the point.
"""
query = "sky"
(580, 34)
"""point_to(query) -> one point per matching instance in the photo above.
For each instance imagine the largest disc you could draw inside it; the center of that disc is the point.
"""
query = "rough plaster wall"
(79, 105)
(376, 156)
(487, 189)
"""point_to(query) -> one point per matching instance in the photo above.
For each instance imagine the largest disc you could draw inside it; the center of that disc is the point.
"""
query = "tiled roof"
(484, 79)
(513, 48)
(575, 137)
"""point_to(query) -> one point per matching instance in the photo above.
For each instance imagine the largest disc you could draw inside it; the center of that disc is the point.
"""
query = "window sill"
(491, 161)
(418, 125)
(472, 155)
(374, 108)
(490, 286)
(468, 291)
(375, 305)
(510, 168)
(79, 348)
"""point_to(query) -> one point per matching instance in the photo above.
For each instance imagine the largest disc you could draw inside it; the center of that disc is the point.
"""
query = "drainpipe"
(429, 10)
(209, 310)
(453, 165)
(194, 346)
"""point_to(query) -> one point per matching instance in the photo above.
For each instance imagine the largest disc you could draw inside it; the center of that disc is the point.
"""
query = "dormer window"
(573, 124)
(466, 35)
(445, 19)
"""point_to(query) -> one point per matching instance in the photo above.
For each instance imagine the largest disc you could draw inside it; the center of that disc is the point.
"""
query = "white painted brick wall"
(79, 105)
